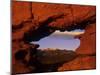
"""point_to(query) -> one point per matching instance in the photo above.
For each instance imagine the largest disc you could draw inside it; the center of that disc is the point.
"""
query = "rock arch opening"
(61, 40)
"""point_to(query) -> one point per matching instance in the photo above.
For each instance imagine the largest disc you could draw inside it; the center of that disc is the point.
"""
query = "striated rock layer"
(32, 21)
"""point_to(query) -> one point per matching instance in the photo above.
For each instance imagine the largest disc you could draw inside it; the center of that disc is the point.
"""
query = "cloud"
(73, 33)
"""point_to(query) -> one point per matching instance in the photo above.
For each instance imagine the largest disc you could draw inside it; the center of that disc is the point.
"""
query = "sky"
(61, 40)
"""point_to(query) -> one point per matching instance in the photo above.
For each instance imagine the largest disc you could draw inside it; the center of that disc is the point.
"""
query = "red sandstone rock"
(20, 12)
(21, 68)
(88, 41)
(28, 18)
(41, 11)
(80, 63)
(71, 13)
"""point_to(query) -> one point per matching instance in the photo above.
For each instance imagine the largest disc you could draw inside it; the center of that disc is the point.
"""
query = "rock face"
(86, 52)
(88, 41)
(79, 63)
(32, 21)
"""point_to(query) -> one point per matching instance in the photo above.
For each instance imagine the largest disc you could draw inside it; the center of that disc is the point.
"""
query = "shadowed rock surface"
(55, 56)
(33, 21)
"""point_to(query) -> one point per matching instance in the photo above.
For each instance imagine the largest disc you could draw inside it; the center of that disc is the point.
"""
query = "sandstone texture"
(80, 63)
(88, 41)
(32, 21)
